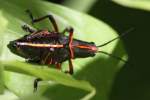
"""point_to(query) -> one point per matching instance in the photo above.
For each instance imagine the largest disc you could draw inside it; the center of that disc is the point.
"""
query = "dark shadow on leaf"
(132, 81)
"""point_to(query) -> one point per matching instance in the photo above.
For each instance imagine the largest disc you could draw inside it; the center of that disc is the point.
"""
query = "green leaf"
(1, 79)
(80, 5)
(47, 74)
(98, 71)
(8, 96)
(3, 27)
(138, 4)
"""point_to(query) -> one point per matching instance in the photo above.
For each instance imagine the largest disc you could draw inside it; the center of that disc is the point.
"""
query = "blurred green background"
(132, 81)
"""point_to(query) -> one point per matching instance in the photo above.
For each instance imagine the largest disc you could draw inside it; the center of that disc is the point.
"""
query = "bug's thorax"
(83, 49)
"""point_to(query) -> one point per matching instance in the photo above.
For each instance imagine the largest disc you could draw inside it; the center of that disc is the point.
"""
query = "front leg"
(68, 29)
(28, 29)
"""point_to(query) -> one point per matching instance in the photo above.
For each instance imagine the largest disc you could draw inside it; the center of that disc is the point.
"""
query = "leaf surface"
(97, 72)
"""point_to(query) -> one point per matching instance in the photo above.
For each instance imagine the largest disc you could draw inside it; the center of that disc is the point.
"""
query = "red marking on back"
(93, 48)
(70, 45)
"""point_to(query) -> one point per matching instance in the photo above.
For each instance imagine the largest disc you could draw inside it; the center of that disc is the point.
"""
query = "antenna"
(118, 37)
(111, 55)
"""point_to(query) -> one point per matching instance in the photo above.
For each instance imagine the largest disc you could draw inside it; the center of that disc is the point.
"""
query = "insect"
(53, 47)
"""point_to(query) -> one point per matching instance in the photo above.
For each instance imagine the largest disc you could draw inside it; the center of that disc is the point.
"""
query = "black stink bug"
(53, 47)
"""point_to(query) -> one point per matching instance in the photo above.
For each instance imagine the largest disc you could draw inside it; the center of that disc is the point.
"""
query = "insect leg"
(70, 30)
(70, 71)
(45, 58)
(36, 84)
(28, 29)
(51, 18)
(58, 65)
